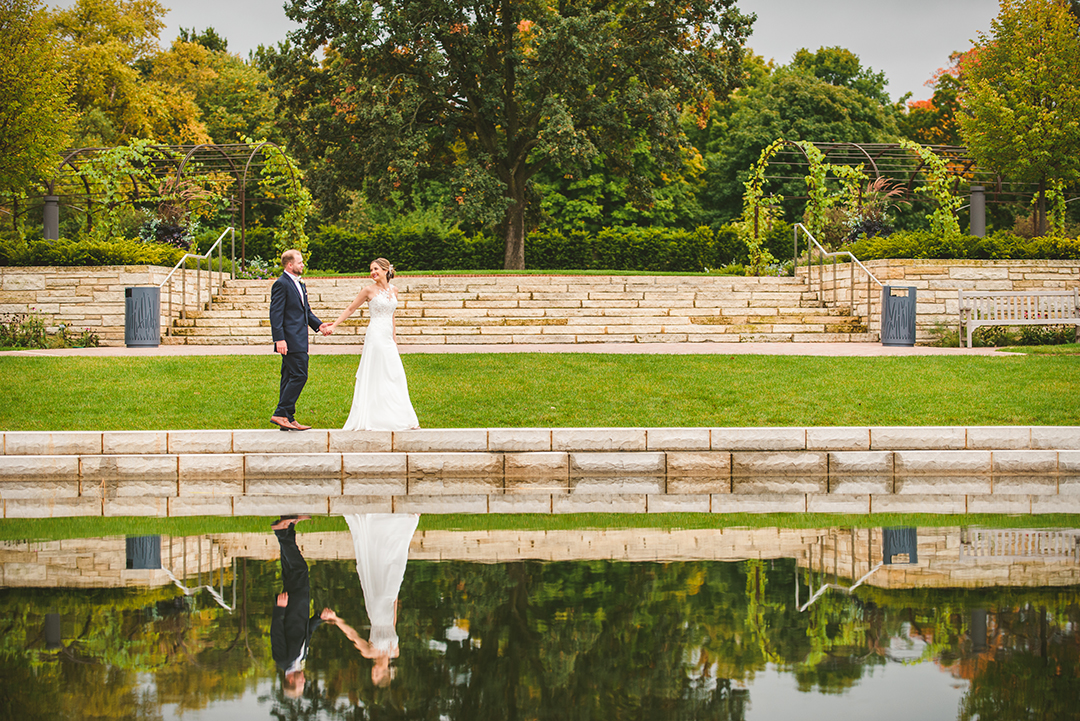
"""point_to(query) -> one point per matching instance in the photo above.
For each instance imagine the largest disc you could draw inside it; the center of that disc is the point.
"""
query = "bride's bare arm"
(361, 297)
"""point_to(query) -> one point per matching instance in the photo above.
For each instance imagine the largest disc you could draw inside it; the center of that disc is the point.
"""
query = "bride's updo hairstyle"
(385, 265)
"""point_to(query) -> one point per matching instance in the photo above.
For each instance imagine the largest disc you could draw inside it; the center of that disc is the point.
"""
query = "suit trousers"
(294, 372)
(294, 569)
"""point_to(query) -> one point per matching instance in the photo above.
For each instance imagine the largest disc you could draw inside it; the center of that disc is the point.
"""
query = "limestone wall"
(937, 282)
(93, 297)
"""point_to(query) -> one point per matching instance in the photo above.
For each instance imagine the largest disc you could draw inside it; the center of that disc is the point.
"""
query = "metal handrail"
(207, 256)
(822, 255)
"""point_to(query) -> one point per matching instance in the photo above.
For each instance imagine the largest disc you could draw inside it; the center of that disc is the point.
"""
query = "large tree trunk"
(515, 230)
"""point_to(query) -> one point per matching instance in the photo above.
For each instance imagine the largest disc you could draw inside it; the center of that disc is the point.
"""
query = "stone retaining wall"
(937, 282)
(1018, 469)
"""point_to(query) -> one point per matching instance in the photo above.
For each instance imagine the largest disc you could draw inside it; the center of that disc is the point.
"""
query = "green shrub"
(83, 252)
(1000, 245)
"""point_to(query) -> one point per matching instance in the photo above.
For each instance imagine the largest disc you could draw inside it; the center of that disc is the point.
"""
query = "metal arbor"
(234, 166)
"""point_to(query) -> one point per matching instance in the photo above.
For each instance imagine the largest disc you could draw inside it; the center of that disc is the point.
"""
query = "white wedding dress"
(381, 542)
(381, 397)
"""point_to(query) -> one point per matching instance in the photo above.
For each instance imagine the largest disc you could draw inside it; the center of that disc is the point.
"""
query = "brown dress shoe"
(283, 423)
(300, 427)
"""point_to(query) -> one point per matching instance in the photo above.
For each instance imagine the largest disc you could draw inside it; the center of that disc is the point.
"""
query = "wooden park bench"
(1017, 307)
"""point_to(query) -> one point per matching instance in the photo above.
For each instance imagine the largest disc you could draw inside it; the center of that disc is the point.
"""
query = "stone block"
(807, 463)
(441, 440)
(998, 503)
(678, 439)
(598, 439)
(375, 486)
(856, 503)
(759, 503)
(280, 505)
(885, 438)
(38, 488)
(941, 485)
(698, 484)
(1056, 504)
(1069, 462)
(441, 504)
(536, 484)
(865, 463)
(375, 464)
(626, 484)
(599, 503)
(910, 463)
(65, 443)
(211, 466)
(198, 505)
(134, 442)
(1069, 485)
(998, 438)
(284, 486)
(520, 503)
(1025, 484)
(1024, 462)
(124, 468)
(709, 463)
(839, 438)
(454, 485)
(130, 487)
(518, 440)
(51, 507)
(455, 464)
(24, 574)
(157, 507)
(201, 441)
(361, 504)
(32, 467)
(549, 464)
(944, 503)
(218, 487)
(618, 464)
(1056, 437)
(779, 484)
(860, 484)
(758, 439)
(292, 465)
(678, 503)
(277, 441)
(361, 441)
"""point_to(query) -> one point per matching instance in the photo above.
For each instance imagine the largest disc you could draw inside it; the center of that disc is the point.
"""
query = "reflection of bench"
(1017, 307)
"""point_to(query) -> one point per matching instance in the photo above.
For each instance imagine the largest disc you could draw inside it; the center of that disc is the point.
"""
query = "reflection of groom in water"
(291, 626)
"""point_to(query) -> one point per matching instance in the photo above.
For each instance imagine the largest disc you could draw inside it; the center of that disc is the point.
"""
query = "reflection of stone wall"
(100, 563)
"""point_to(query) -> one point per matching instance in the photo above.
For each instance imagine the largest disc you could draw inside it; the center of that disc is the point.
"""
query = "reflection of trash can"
(899, 542)
(144, 552)
(898, 315)
(142, 316)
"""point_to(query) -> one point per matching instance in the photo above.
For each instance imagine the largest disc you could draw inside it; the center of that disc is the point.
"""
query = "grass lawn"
(1065, 349)
(541, 390)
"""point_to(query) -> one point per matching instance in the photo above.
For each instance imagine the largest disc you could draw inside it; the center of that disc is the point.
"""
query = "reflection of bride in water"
(381, 542)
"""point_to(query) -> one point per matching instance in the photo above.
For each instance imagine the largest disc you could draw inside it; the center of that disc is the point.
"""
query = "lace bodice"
(382, 305)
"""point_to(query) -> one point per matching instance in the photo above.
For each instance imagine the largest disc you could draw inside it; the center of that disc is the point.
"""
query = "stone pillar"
(52, 217)
(977, 210)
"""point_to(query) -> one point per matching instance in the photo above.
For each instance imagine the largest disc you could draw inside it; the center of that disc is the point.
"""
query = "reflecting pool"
(931, 623)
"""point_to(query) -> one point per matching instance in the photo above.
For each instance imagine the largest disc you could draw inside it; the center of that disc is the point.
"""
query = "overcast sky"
(906, 40)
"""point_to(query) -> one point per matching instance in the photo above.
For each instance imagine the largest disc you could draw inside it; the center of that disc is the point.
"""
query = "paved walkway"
(802, 349)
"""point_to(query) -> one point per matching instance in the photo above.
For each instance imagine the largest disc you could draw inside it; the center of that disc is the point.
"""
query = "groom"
(290, 315)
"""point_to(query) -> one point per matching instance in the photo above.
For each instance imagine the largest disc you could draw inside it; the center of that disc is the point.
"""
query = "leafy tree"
(1021, 97)
(208, 38)
(934, 121)
(841, 67)
(107, 44)
(34, 115)
(485, 94)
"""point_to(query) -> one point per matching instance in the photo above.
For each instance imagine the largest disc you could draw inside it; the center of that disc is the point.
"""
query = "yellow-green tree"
(1021, 97)
(34, 115)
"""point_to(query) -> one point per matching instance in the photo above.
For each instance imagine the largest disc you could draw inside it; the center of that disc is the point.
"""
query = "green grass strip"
(550, 390)
(58, 529)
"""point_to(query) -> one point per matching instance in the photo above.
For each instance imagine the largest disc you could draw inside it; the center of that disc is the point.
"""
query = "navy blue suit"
(291, 626)
(290, 317)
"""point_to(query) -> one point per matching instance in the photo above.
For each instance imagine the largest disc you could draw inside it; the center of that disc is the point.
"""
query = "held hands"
(326, 328)
(283, 599)
(328, 615)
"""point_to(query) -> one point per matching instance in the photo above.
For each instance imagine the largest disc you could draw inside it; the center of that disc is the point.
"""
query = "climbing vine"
(760, 212)
(281, 181)
(117, 174)
(942, 219)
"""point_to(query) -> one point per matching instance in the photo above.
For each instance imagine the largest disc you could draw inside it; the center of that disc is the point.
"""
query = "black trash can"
(142, 317)
(898, 315)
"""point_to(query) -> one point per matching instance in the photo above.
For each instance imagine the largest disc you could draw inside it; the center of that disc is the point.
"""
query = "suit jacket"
(291, 630)
(290, 314)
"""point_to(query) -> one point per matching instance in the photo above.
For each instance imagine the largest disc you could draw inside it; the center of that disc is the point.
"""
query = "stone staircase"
(503, 309)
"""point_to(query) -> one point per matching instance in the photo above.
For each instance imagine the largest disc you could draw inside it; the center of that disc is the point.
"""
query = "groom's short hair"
(289, 255)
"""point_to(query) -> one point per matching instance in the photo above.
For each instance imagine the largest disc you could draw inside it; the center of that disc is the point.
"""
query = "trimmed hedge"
(1000, 245)
(66, 252)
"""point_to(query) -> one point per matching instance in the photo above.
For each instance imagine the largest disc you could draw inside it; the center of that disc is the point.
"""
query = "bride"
(381, 398)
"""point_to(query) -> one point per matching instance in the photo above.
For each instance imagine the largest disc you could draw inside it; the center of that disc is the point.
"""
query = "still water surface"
(731, 624)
